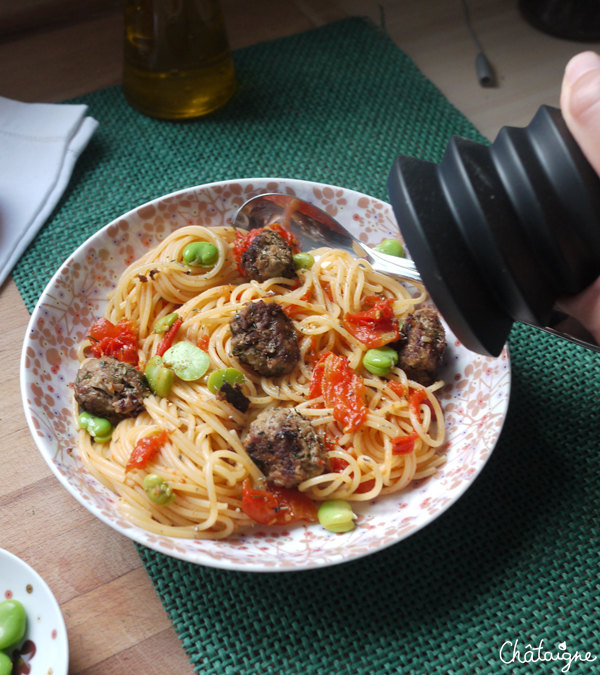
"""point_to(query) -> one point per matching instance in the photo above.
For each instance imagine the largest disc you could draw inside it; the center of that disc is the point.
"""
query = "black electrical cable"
(382, 16)
(483, 67)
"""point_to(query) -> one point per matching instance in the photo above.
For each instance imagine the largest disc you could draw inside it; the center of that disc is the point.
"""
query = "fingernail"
(581, 64)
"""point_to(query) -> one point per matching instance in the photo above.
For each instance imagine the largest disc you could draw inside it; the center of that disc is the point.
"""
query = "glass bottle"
(177, 61)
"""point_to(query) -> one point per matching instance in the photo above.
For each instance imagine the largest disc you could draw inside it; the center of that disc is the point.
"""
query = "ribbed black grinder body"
(498, 232)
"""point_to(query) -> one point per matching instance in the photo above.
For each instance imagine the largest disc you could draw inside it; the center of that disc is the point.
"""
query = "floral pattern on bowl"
(44, 650)
(474, 399)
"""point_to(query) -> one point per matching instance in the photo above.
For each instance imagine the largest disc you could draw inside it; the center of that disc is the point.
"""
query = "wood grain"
(115, 622)
(18, 17)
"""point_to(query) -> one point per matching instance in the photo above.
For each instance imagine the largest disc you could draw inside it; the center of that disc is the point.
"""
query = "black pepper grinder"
(499, 232)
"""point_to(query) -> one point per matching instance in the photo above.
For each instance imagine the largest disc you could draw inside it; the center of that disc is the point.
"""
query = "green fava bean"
(188, 361)
(164, 323)
(201, 254)
(13, 622)
(218, 378)
(84, 419)
(380, 361)
(303, 261)
(336, 515)
(391, 247)
(5, 664)
(160, 378)
(158, 490)
(100, 427)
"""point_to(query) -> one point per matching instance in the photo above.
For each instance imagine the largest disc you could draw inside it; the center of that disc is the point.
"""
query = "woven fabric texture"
(516, 559)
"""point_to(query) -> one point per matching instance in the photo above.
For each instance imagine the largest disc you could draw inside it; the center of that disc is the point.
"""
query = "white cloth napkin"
(39, 145)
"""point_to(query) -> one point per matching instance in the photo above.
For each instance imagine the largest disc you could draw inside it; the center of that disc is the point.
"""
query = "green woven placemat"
(516, 559)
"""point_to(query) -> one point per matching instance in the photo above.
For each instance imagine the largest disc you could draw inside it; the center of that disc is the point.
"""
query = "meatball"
(264, 338)
(111, 389)
(268, 256)
(285, 447)
(422, 350)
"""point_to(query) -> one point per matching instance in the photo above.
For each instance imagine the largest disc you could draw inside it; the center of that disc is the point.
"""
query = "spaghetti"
(203, 458)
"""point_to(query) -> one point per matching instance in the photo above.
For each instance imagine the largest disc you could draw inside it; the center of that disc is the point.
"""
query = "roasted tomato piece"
(341, 388)
(374, 327)
(116, 340)
(276, 505)
(337, 464)
(404, 445)
(145, 450)
(366, 486)
(168, 337)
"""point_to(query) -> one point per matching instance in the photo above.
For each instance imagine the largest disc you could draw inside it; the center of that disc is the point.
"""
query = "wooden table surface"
(115, 622)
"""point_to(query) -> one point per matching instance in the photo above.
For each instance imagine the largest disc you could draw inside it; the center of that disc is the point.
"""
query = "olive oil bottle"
(177, 61)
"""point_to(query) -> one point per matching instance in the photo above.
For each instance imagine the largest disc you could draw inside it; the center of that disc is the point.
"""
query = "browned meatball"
(268, 256)
(108, 388)
(422, 351)
(285, 447)
(265, 339)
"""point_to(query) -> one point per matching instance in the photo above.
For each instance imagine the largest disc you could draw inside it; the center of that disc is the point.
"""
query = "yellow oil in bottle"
(177, 61)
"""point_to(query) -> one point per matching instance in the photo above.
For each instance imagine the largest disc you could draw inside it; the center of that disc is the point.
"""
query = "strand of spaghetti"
(134, 495)
(326, 485)
(370, 471)
(406, 476)
(163, 417)
(144, 521)
(354, 305)
(431, 468)
(98, 466)
(212, 494)
(182, 457)
(421, 426)
(230, 457)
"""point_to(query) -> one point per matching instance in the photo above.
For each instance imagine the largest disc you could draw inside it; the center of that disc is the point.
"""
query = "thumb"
(580, 104)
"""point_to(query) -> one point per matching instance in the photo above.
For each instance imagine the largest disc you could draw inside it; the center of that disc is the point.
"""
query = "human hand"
(580, 105)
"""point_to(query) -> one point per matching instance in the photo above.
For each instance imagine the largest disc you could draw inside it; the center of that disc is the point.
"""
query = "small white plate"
(44, 650)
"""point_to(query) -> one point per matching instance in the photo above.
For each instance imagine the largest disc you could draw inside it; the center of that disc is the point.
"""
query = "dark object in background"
(568, 19)
(499, 232)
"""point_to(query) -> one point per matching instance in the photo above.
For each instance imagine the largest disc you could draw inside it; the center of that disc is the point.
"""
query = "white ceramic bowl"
(474, 399)
(44, 649)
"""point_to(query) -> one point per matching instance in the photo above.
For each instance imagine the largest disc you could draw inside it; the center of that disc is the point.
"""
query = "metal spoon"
(314, 228)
